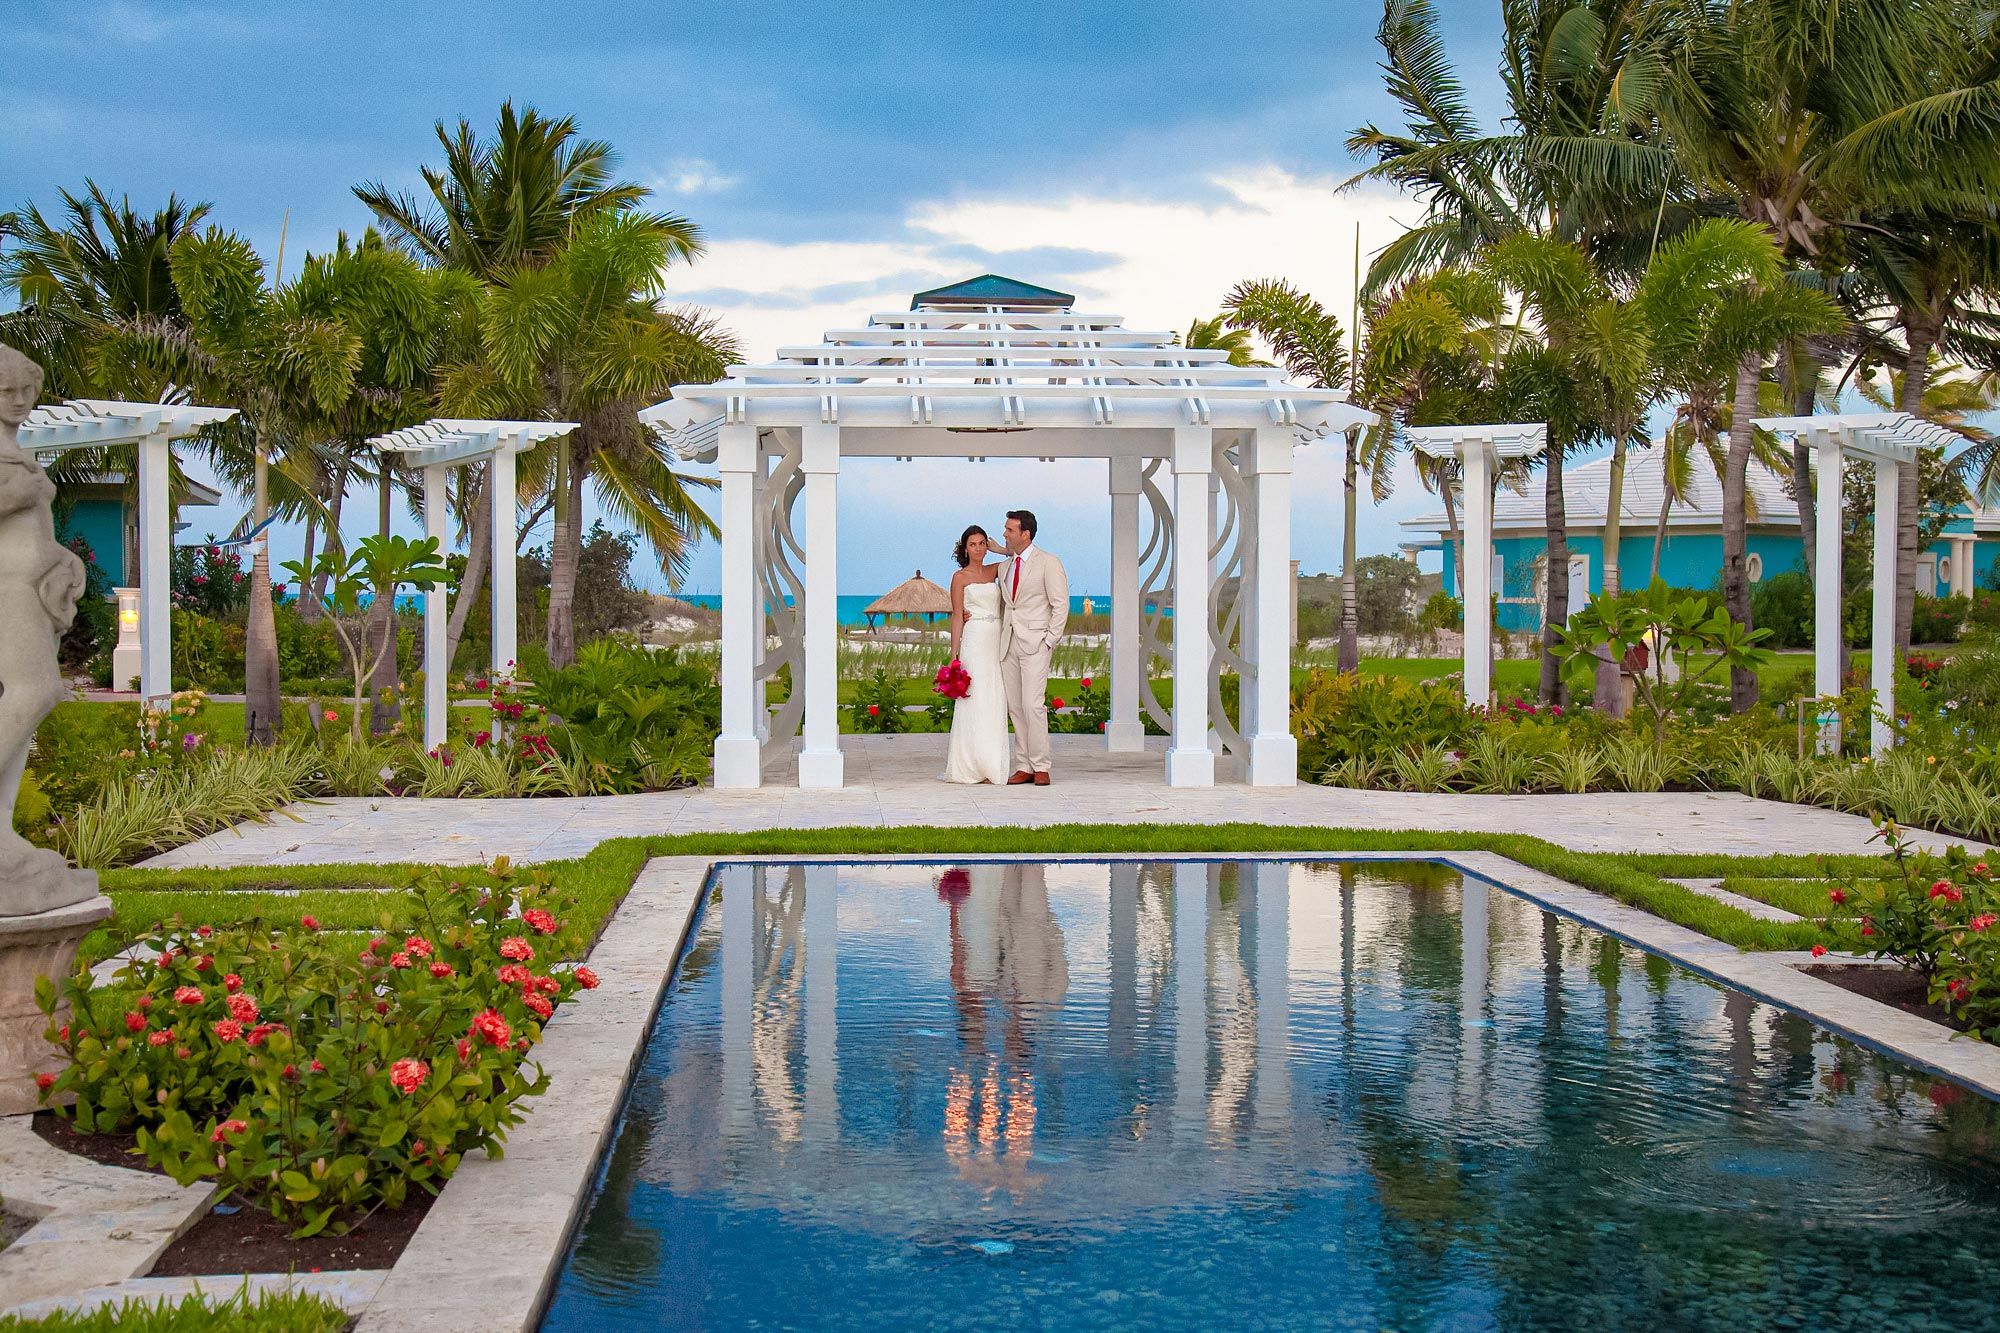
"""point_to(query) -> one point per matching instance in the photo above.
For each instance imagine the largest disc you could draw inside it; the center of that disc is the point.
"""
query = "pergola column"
(761, 539)
(437, 671)
(1125, 733)
(1274, 752)
(1476, 475)
(820, 760)
(1190, 761)
(738, 756)
(1190, 955)
(1882, 644)
(822, 969)
(156, 538)
(1827, 584)
(503, 493)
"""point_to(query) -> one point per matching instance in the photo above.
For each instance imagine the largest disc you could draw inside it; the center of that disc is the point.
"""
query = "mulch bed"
(1891, 985)
(248, 1239)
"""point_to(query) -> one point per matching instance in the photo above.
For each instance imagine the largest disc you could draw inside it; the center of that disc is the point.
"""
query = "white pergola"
(1479, 451)
(435, 446)
(1889, 440)
(91, 423)
(996, 368)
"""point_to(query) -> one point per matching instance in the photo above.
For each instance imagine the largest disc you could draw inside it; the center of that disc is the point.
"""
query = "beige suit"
(1035, 609)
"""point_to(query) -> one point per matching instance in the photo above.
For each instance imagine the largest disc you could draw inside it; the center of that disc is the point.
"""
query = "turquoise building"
(104, 512)
(1965, 557)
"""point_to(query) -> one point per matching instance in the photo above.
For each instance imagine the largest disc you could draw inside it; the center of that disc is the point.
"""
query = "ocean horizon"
(852, 605)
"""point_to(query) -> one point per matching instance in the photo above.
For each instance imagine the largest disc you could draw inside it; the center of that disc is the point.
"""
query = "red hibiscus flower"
(490, 1028)
(159, 1038)
(585, 978)
(513, 974)
(516, 948)
(440, 969)
(228, 1127)
(539, 921)
(1819, 951)
(399, 960)
(228, 1030)
(188, 995)
(135, 1021)
(45, 1081)
(242, 1008)
(538, 1006)
(232, 983)
(417, 947)
(408, 1075)
(309, 921)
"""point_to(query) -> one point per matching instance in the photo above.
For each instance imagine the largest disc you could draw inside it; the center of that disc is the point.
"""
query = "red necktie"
(1015, 592)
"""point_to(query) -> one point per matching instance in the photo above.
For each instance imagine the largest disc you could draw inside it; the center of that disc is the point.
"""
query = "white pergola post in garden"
(1479, 451)
(92, 423)
(436, 446)
(996, 368)
(1887, 439)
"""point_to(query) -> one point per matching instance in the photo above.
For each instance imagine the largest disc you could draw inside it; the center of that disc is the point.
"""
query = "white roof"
(994, 369)
(1587, 488)
(460, 439)
(90, 423)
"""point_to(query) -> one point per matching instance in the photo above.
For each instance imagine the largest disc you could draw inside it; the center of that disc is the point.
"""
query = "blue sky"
(1143, 155)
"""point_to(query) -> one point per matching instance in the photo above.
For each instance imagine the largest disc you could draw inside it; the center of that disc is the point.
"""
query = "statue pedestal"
(41, 945)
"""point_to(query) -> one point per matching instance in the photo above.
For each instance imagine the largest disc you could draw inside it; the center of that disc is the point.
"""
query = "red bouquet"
(953, 680)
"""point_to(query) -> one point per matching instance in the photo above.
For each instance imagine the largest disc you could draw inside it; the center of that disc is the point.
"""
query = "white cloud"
(693, 175)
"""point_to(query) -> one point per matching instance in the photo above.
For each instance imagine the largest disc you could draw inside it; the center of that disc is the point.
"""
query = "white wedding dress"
(979, 750)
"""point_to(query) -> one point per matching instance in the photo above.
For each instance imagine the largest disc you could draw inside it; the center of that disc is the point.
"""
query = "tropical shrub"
(1783, 605)
(878, 704)
(315, 1074)
(1938, 915)
(206, 653)
(209, 580)
(146, 808)
(1341, 717)
(631, 717)
(353, 580)
(1938, 619)
(1087, 709)
(95, 628)
(1649, 631)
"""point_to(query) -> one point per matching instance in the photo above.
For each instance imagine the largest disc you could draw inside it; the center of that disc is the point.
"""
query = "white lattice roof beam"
(92, 423)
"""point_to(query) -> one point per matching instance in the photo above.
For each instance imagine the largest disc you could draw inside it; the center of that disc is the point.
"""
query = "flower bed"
(319, 1075)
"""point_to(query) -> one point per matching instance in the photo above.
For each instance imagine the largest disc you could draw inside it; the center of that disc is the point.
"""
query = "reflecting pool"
(1253, 1094)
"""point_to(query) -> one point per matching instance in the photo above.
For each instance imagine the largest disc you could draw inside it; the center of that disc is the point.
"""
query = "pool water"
(1256, 1095)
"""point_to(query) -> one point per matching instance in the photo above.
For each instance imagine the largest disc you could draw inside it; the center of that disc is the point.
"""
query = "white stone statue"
(40, 581)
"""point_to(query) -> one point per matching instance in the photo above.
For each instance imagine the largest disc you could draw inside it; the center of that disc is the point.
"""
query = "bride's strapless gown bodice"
(978, 750)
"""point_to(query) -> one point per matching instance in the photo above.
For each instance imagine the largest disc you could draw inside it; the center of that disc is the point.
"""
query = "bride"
(979, 750)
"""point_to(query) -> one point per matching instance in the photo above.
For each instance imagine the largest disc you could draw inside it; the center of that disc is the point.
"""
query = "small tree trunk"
(1608, 689)
(1457, 544)
(1349, 659)
(260, 644)
(1555, 603)
(306, 558)
(1922, 336)
(479, 536)
(387, 711)
(1660, 528)
(1735, 526)
(333, 541)
(565, 550)
(1804, 368)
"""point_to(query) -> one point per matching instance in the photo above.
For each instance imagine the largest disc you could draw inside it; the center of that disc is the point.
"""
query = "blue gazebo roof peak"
(992, 289)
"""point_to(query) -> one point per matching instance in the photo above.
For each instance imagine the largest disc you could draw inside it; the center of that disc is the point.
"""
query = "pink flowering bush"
(1935, 914)
(322, 1074)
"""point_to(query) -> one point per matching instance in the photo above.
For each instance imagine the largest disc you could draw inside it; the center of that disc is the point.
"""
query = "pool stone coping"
(486, 1258)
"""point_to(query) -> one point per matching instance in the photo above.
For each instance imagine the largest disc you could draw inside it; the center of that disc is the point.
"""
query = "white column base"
(1190, 768)
(1274, 761)
(822, 768)
(739, 763)
(1125, 737)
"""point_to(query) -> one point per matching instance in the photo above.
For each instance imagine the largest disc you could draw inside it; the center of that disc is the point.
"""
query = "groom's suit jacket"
(1038, 608)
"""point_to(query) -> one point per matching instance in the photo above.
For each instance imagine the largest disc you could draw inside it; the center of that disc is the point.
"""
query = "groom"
(1034, 592)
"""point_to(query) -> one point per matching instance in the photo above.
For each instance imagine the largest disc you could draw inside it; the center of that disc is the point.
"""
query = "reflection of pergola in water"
(994, 368)
(779, 1120)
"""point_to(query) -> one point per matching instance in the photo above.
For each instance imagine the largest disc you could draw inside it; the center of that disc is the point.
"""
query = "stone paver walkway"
(892, 781)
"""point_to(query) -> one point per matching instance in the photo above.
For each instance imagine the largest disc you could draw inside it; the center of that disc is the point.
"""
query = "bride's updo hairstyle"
(958, 552)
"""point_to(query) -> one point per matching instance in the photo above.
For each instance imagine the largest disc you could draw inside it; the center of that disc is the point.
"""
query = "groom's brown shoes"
(1041, 779)
(1021, 779)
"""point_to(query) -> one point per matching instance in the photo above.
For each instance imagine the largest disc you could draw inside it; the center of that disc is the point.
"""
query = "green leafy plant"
(378, 567)
(878, 704)
(1086, 710)
(1668, 647)
(318, 1074)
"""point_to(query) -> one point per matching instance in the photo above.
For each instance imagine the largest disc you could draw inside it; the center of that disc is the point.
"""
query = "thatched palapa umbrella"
(913, 597)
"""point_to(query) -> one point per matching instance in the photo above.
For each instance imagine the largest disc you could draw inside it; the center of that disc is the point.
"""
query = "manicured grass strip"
(290, 1312)
(1801, 897)
(134, 911)
(263, 879)
(1716, 866)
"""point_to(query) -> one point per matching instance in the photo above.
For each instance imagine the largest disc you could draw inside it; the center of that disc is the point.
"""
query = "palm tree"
(497, 206)
(1308, 339)
(1806, 117)
(583, 335)
(99, 266)
(1215, 333)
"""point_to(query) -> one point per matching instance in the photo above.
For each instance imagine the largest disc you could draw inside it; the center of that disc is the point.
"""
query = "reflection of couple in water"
(1006, 949)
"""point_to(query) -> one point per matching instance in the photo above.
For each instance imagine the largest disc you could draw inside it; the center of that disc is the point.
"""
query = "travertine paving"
(893, 781)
